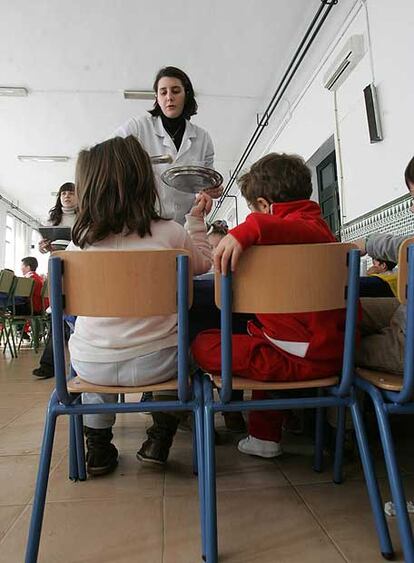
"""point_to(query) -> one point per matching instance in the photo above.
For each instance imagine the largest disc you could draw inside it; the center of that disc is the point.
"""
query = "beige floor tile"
(22, 437)
(94, 532)
(344, 511)
(8, 414)
(131, 478)
(17, 478)
(8, 515)
(235, 471)
(254, 526)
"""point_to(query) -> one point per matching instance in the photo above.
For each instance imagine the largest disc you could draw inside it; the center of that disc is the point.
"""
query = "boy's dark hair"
(31, 261)
(190, 105)
(116, 190)
(390, 265)
(55, 214)
(409, 173)
(277, 178)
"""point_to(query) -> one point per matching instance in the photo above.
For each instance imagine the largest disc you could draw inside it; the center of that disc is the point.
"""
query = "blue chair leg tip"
(338, 482)
(388, 556)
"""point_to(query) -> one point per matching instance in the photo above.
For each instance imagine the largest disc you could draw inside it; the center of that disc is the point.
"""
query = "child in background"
(277, 347)
(117, 211)
(384, 270)
(28, 267)
(216, 232)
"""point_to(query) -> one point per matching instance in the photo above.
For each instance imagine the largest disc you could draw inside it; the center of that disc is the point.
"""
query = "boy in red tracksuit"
(278, 347)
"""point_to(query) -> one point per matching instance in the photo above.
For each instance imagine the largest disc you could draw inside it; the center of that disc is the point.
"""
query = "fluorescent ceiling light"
(139, 94)
(12, 91)
(34, 158)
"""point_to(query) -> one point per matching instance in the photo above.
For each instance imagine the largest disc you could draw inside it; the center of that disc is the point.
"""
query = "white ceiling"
(77, 57)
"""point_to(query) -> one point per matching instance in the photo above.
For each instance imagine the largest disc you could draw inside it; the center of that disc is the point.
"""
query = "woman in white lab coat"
(167, 130)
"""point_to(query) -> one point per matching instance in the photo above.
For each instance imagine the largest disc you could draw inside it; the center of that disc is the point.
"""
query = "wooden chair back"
(402, 270)
(6, 281)
(128, 283)
(24, 287)
(290, 278)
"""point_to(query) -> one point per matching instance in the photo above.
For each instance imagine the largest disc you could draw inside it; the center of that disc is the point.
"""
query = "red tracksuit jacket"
(308, 338)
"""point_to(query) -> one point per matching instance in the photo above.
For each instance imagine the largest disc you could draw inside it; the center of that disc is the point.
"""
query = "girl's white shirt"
(196, 149)
(116, 339)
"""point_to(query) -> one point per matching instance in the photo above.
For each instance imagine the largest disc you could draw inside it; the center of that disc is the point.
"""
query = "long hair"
(55, 214)
(116, 190)
(190, 104)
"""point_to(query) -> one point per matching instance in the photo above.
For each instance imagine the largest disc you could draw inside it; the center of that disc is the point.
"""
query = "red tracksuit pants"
(254, 358)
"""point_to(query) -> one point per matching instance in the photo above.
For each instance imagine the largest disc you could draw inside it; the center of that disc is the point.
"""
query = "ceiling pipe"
(304, 46)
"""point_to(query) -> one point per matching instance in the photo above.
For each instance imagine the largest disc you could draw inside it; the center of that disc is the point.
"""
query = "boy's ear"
(262, 205)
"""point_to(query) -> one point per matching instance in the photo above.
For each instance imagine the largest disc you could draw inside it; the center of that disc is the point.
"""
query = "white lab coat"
(196, 149)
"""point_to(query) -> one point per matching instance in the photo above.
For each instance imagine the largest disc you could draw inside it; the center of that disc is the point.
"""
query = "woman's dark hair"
(277, 178)
(116, 190)
(55, 214)
(409, 173)
(190, 105)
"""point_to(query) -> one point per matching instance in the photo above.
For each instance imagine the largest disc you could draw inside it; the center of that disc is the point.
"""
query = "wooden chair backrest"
(296, 278)
(24, 287)
(402, 270)
(6, 281)
(125, 283)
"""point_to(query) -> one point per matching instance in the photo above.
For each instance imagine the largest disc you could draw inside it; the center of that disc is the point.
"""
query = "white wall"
(372, 173)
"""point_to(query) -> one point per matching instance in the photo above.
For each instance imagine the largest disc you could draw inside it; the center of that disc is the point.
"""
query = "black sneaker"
(234, 422)
(101, 456)
(154, 451)
(43, 372)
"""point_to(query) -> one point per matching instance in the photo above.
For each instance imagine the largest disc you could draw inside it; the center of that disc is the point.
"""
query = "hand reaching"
(215, 193)
(227, 252)
(203, 204)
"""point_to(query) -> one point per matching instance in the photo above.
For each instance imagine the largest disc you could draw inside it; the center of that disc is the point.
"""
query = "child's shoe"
(101, 455)
(160, 438)
(234, 422)
(261, 448)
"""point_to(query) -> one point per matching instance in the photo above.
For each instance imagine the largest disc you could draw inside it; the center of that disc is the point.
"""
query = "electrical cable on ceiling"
(305, 44)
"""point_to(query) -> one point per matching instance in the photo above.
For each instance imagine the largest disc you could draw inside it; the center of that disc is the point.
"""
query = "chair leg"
(372, 484)
(199, 445)
(73, 459)
(210, 478)
(395, 482)
(339, 446)
(80, 447)
(122, 397)
(195, 455)
(319, 438)
(41, 487)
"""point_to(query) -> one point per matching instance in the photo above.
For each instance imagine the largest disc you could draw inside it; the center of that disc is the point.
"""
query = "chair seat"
(78, 385)
(244, 384)
(381, 379)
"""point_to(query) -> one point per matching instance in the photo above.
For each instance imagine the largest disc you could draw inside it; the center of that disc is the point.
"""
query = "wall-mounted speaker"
(373, 116)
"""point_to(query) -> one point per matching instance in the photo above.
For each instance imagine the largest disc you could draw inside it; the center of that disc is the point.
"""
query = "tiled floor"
(268, 510)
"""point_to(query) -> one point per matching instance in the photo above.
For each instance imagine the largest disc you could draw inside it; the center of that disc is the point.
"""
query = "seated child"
(276, 347)
(216, 232)
(28, 267)
(384, 270)
(118, 210)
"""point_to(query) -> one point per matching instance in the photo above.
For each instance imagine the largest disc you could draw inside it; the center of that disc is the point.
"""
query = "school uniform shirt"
(196, 149)
(117, 339)
(306, 337)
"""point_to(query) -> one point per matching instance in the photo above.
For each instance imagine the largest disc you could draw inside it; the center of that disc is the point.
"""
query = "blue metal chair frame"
(397, 402)
(340, 395)
(190, 398)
